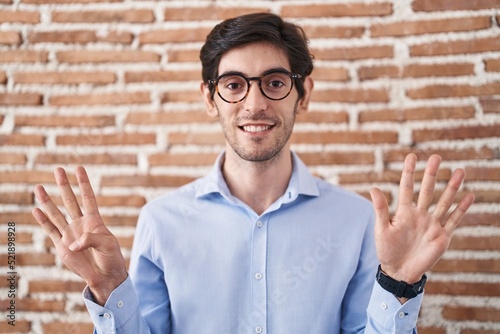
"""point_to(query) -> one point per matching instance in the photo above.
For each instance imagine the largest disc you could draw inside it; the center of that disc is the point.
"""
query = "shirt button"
(258, 329)
(259, 223)
(107, 315)
(383, 306)
(401, 315)
(119, 304)
(258, 275)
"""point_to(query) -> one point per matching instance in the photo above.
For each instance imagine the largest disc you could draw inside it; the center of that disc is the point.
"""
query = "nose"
(255, 100)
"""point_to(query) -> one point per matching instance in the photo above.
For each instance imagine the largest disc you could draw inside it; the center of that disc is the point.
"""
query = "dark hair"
(257, 27)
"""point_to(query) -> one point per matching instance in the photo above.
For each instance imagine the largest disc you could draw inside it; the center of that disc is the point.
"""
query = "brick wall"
(113, 85)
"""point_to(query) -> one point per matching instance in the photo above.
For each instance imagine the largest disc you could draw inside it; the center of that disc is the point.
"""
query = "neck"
(258, 184)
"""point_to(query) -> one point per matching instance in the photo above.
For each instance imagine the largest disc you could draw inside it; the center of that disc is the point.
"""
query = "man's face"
(257, 128)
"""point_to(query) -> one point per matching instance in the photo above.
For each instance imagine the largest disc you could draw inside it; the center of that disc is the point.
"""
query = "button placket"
(259, 288)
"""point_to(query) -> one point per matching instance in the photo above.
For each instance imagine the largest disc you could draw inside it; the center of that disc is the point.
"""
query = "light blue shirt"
(204, 262)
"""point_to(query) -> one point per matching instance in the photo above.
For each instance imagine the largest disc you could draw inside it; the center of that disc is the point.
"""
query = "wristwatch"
(400, 288)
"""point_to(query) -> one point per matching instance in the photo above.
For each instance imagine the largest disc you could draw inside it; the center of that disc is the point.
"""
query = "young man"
(258, 245)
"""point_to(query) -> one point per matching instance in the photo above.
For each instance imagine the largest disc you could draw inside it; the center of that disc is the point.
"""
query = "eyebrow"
(274, 69)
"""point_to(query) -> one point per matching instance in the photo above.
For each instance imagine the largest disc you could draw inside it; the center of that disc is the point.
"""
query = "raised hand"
(85, 245)
(411, 242)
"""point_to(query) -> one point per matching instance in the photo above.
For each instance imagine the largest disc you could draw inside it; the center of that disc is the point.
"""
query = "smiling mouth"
(256, 128)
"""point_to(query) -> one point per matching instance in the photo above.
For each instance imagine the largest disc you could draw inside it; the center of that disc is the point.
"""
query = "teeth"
(256, 128)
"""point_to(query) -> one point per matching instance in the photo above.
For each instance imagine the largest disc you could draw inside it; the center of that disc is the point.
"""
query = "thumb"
(380, 205)
(101, 242)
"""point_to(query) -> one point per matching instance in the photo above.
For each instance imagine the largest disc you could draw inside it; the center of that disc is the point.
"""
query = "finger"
(104, 243)
(46, 225)
(88, 197)
(448, 197)
(456, 216)
(426, 193)
(381, 207)
(67, 194)
(406, 183)
(52, 213)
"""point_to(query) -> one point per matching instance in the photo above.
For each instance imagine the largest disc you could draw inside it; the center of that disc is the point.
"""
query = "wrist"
(400, 289)
(101, 292)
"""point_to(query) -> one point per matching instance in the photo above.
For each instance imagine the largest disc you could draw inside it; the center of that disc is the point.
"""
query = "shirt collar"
(302, 182)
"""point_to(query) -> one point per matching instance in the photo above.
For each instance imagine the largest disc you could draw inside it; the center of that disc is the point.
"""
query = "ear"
(303, 105)
(209, 101)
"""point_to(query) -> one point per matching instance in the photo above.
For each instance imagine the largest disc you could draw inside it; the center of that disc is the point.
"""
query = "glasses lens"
(276, 85)
(232, 88)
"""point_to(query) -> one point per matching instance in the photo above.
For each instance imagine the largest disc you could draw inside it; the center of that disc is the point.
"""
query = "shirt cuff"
(390, 315)
(119, 307)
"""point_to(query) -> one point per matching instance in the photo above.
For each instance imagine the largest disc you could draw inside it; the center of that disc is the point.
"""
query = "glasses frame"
(215, 83)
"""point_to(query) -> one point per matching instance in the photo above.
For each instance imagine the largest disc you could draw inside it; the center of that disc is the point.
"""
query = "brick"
(74, 78)
(182, 159)
(65, 121)
(431, 330)
(35, 286)
(467, 266)
(420, 27)
(21, 237)
(23, 56)
(181, 35)
(213, 12)
(163, 76)
(345, 137)
(492, 65)
(101, 99)
(181, 96)
(438, 70)
(31, 259)
(337, 10)
(461, 242)
(124, 56)
(41, 2)
(131, 201)
(350, 95)
(330, 73)
(432, 5)
(483, 153)
(337, 158)
(478, 331)
(76, 158)
(27, 176)
(417, 114)
(437, 91)
(10, 38)
(77, 36)
(145, 181)
(464, 313)
(107, 139)
(481, 196)
(21, 218)
(120, 220)
(17, 139)
(105, 16)
(3, 81)
(323, 117)
(376, 72)
(483, 173)
(490, 105)
(479, 219)
(182, 138)
(476, 45)
(168, 117)
(126, 242)
(387, 176)
(457, 133)
(18, 99)
(354, 53)
(19, 16)
(183, 56)
(35, 305)
(22, 326)
(68, 327)
(325, 31)
(12, 158)
(462, 288)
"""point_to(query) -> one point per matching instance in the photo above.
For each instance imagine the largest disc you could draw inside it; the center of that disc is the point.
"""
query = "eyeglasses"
(234, 87)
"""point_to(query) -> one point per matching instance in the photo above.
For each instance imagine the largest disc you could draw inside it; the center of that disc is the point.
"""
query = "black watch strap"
(400, 288)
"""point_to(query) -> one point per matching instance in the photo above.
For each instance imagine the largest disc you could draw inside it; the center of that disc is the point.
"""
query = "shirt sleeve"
(387, 315)
(120, 314)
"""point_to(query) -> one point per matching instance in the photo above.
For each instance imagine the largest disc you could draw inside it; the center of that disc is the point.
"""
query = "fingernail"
(74, 246)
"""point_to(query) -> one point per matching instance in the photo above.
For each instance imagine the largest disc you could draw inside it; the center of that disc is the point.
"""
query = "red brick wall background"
(113, 85)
